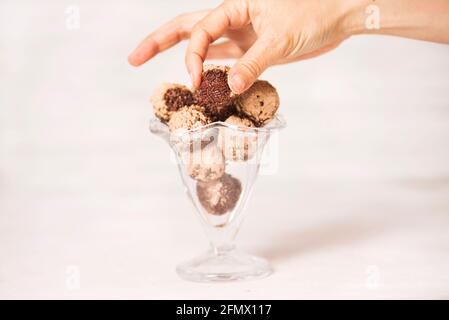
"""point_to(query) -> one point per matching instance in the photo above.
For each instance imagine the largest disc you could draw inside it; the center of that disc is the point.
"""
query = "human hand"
(260, 33)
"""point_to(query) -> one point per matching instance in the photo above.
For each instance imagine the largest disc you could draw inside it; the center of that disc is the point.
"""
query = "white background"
(91, 207)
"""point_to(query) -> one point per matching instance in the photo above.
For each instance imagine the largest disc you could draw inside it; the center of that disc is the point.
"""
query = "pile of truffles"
(183, 109)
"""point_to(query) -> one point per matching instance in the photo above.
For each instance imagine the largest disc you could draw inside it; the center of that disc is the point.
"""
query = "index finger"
(209, 29)
(165, 37)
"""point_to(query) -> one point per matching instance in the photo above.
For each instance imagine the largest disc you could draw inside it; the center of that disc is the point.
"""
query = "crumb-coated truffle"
(238, 145)
(214, 93)
(206, 163)
(219, 196)
(239, 121)
(188, 118)
(169, 98)
(260, 102)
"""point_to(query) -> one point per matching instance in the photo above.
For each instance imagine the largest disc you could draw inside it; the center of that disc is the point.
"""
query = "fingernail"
(237, 83)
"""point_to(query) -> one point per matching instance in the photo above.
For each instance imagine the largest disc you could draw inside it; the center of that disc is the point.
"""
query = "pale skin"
(262, 33)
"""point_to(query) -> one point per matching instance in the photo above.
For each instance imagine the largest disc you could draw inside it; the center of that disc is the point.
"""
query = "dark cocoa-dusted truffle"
(219, 196)
(214, 93)
(169, 98)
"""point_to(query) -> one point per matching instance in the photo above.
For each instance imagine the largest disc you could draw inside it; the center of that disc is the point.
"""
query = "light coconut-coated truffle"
(168, 98)
(188, 118)
(219, 196)
(260, 102)
(206, 163)
(214, 93)
(238, 145)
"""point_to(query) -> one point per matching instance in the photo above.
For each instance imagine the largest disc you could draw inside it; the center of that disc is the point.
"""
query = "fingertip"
(132, 61)
(144, 52)
(197, 76)
(138, 57)
(238, 82)
(195, 68)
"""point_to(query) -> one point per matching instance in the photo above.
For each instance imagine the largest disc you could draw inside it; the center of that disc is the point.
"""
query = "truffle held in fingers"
(214, 93)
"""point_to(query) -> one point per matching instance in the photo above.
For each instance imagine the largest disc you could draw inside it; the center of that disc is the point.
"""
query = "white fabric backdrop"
(91, 207)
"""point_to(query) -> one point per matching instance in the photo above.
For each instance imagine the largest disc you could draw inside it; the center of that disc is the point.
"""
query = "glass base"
(228, 266)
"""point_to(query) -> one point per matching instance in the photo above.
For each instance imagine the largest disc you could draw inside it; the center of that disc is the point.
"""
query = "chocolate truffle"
(219, 196)
(188, 118)
(259, 103)
(214, 93)
(238, 145)
(169, 98)
(206, 163)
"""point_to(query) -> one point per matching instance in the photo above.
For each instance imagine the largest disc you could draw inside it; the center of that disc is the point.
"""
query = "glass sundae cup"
(219, 164)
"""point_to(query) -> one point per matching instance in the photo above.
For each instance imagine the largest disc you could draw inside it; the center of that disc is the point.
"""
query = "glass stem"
(223, 249)
(222, 239)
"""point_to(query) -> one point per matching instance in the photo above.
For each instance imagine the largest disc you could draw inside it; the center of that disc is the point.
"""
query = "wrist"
(354, 16)
(417, 19)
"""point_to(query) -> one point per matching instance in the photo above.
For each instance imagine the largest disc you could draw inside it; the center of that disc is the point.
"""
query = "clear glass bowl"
(219, 164)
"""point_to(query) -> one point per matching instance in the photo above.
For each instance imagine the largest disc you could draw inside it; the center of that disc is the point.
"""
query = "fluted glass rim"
(158, 127)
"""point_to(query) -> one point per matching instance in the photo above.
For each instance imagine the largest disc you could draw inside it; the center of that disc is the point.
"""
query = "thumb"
(255, 61)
